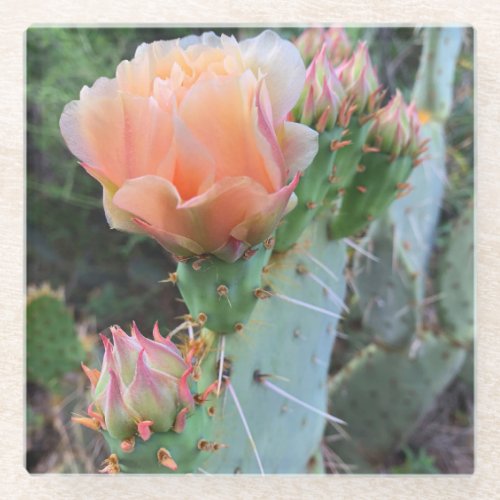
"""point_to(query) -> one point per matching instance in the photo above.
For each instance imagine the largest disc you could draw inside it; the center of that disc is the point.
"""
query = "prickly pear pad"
(371, 191)
(221, 294)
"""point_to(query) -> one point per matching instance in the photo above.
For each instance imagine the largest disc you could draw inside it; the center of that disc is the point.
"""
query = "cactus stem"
(360, 249)
(261, 379)
(325, 268)
(245, 424)
(222, 344)
(307, 305)
(331, 294)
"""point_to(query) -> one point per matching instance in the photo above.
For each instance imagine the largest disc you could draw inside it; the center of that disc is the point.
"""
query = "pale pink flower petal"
(277, 60)
(299, 144)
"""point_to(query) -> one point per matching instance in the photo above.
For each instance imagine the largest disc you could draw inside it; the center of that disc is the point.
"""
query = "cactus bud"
(309, 43)
(338, 46)
(395, 128)
(322, 94)
(142, 387)
(359, 79)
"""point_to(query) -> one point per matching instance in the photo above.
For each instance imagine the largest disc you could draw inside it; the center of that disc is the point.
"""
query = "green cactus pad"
(386, 288)
(456, 281)
(369, 193)
(183, 448)
(310, 192)
(52, 346)
(417, 214)
(383, 394)
(223, 292)
(288, 341)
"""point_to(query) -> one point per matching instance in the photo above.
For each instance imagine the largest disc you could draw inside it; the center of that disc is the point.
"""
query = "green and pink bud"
(309, 43)
(143, 387)
(338, 45)
(395, 128)
(322, 96)
(360, 80)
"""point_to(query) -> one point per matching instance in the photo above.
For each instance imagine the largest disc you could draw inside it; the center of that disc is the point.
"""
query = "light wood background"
(17, 15)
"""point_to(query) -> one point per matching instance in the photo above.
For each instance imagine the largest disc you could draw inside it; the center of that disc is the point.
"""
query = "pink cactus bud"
(323, 93)
(311, 40)
(338, 44)
(198, 156)
(143, 387)
(309, 43)
(395, 128)
(153, 395)
(358, 76)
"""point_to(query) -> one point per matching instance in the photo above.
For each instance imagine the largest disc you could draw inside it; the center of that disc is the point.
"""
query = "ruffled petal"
(226, 210)
(120, 135)
(218, 112)
(262, 222)
(195, 167)
(280, 63)
(299, 144)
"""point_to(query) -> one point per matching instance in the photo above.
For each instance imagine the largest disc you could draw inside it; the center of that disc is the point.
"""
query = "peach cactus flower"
(191, 144)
